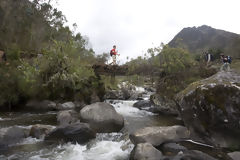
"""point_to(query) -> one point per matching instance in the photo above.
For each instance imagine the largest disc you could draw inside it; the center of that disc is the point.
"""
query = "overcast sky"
(136, 25)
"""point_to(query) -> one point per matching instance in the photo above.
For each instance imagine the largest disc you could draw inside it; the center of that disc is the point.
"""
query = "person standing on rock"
(226, 62)
(114, 54)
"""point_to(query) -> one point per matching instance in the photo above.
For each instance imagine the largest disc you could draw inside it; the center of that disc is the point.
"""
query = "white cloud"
(135, 25)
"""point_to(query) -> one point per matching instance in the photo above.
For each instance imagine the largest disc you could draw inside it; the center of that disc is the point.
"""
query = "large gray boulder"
(36, 105)
(210, 108)
(157, 135)
(75, 133)
(39, 131)
(145, 151)
(11, 135)
(102, 117)
(234, 155)
(67, 117)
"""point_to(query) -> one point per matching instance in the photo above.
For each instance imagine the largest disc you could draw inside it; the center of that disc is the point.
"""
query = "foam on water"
(126, 108)
(140, 89)
(103, 150)
(28, 140)
(5, 119)
(106, 146)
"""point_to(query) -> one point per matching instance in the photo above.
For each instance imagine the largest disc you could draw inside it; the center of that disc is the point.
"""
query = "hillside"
(199, 39)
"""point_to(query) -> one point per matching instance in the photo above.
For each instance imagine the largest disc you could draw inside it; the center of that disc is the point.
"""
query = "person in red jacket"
(114, 54)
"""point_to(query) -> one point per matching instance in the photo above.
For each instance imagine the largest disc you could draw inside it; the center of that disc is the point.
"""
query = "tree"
(175, 60)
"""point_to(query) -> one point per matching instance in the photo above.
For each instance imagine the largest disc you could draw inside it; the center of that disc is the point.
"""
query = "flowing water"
(107, 146)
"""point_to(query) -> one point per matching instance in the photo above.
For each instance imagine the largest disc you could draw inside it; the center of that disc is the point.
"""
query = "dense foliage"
(162, 59)
(172, 68)
(45, 59)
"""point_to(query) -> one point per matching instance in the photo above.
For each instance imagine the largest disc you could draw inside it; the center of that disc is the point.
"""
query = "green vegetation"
(175, 68)
(45, 59)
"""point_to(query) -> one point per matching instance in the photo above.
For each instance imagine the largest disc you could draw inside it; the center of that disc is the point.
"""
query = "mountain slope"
(199, 39)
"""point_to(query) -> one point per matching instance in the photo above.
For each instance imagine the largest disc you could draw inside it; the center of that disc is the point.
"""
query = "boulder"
(102, 117)
(39, 131)
(75, 133)
(150, 89)
(145, 151)
(66, 106)
(36, 105)
(135, 96)
(124, 94)
(157, 135)
(67, 117)
(164, 105)
(234, 155)
(143, 104)
(172, 148)
(210, 108)
(146, 105)
(190, 155)
(11, 135)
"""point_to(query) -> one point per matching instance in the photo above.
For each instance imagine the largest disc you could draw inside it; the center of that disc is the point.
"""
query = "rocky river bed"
(116, 145)
(111, 130)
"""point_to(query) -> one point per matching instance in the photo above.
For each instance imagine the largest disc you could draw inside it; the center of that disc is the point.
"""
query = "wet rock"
(142, 104)
(145, 151)
(157, 135)
(172, 148)
(234, 155)
(66, 106)
(36, 105)
(67, 117)
(190, 155)
(39, 131)
(150, 89)
(127, 86)
(210, 109)
(11, 135)
(127, 91)
(164, 105)
(75, 133)
(102, 117)
(124, 94)
(146, 105)
(135, 96)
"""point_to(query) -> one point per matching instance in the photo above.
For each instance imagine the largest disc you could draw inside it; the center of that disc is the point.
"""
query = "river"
(111, 146)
